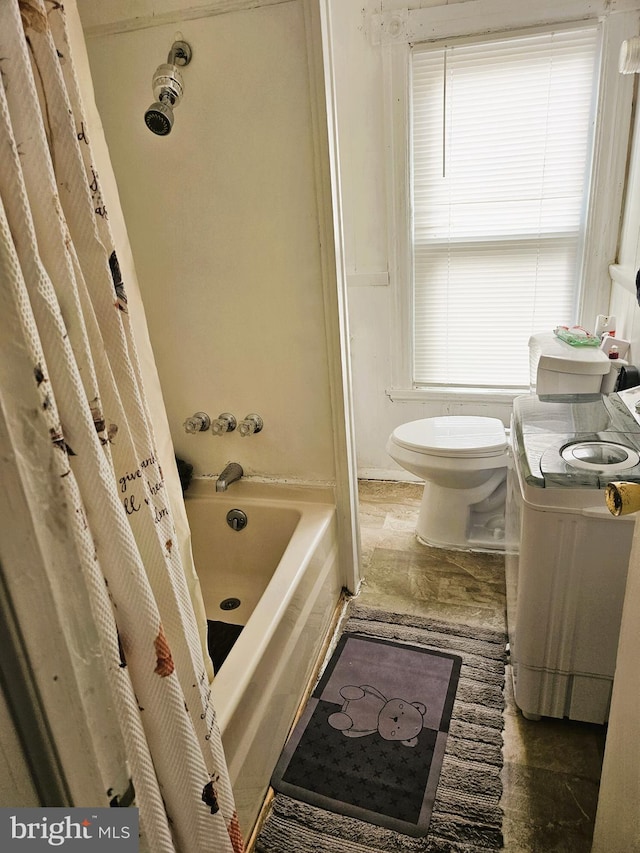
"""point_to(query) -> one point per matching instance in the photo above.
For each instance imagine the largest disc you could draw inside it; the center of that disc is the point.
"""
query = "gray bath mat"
(440, 777)
(371, 739)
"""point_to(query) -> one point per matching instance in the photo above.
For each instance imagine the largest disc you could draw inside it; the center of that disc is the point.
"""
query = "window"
(471, 341)
(500, 155)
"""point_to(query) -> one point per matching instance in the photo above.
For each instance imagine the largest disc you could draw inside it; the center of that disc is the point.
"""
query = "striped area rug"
(466, 816)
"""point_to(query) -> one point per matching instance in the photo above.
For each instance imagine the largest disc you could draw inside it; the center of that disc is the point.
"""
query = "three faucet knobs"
(224, 423)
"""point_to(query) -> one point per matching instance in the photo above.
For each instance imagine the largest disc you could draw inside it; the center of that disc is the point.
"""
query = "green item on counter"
(577, 340)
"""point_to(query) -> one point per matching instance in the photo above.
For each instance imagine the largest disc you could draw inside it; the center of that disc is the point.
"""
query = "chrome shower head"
(159, 118)
(167, 90)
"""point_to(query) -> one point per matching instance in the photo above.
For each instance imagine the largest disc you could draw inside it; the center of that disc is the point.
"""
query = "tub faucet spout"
(232, 472)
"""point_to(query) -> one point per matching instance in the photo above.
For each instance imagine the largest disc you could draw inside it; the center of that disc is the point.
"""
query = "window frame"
(396, 32)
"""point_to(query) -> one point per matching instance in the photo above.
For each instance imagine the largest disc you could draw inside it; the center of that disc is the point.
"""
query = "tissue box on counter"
(610, 341)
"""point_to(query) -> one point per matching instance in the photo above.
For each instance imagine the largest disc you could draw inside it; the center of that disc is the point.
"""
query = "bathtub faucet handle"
(251, 424)
(200, 422)
(224, 423)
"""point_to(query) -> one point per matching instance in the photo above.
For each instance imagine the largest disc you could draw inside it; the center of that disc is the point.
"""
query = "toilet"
(463, 459)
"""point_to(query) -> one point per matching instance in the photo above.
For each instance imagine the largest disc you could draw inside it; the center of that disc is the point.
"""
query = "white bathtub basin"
(283, 568)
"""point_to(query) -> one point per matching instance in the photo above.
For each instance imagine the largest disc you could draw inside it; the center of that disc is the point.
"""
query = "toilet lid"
(455, 435)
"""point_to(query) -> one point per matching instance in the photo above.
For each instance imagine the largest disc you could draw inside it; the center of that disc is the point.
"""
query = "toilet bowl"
(463, 461)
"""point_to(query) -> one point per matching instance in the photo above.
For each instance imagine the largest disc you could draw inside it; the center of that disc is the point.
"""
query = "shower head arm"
(180, 54)
(167, 97)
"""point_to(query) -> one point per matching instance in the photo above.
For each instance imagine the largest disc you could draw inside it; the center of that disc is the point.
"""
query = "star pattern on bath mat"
(367, 772)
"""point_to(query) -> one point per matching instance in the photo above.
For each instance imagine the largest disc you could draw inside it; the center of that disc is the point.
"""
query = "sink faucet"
(232, 472)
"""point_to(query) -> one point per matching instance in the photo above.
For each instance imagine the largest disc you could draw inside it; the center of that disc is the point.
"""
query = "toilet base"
(459, 520)
(472, 547)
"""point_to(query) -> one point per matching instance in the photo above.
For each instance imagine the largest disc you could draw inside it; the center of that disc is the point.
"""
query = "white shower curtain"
(81, 439)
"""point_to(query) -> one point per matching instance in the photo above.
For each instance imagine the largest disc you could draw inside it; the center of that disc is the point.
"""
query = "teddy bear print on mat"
(366, 711)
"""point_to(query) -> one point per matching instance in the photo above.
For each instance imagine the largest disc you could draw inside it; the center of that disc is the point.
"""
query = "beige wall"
(223, 222)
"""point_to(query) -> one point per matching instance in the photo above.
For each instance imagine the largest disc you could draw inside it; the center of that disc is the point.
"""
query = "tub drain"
(229, 604)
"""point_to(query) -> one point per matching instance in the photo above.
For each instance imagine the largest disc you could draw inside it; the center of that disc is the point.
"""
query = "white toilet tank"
(555, 367)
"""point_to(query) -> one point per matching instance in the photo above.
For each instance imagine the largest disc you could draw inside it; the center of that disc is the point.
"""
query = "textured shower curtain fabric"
(71, 374)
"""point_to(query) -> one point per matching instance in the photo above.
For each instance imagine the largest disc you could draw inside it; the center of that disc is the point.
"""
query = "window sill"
(459, 395)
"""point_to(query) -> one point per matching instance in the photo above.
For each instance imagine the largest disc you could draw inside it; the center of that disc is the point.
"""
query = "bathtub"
(283, 569)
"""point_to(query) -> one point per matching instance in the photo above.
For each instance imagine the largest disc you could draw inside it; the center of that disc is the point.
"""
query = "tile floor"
(552, 767)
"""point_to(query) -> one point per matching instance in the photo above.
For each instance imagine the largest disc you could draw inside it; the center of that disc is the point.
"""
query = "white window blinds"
(501, 138)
